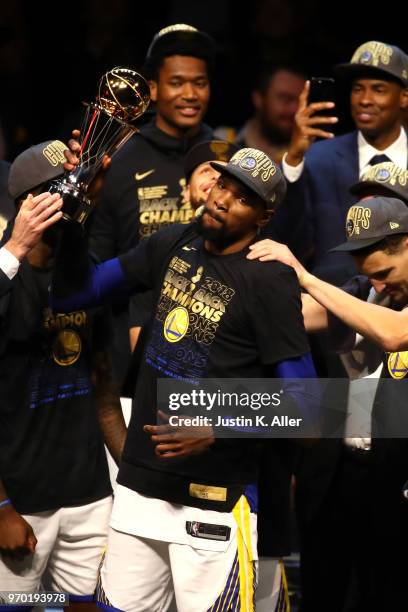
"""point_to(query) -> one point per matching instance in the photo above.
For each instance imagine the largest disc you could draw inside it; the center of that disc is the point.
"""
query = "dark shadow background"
(52, 55)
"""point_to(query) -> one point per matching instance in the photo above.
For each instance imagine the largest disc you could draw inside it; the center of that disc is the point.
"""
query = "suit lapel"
(347, 171)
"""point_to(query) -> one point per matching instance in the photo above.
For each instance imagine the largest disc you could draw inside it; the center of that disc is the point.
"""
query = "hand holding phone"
(317, 97)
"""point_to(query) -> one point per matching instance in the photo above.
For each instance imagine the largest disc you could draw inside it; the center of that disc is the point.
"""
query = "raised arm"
(386, 327)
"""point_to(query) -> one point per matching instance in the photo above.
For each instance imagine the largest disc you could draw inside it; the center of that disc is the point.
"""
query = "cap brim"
(239, 176)
(362, 186)
(352, 71)
(355, 245)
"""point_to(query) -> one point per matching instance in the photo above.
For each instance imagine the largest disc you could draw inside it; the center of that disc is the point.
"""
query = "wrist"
(306, 279)
(294, 157)
(4, 503)
(16, 249)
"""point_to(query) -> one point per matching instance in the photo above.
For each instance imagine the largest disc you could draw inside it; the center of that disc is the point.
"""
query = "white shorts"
(142, 574)
(70, 544)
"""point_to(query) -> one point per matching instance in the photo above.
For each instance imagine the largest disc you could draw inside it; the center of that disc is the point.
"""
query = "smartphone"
(322, 89)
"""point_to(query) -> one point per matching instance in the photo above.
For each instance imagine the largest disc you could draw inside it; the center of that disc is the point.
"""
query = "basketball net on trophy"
(123, 96)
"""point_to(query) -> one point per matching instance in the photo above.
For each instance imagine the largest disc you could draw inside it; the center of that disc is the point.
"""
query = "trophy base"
(76, 207)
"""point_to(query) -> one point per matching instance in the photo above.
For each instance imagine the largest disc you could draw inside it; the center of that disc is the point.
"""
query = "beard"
(217, 235)
(275, 134)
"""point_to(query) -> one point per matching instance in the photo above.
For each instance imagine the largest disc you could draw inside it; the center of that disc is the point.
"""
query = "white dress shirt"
(8, 263)
(397, 153)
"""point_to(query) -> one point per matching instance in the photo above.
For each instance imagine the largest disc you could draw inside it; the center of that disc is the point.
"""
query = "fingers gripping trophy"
(123, 96)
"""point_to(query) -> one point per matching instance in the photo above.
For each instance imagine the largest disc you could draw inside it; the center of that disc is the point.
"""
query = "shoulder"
(161, 243)
(324, 149)
(359, 286)
(128, 150)
(272, 275)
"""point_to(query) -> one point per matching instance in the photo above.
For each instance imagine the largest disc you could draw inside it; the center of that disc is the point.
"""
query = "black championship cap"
(181, 39)
(373, 219)
(391, 179)
(259, 173)
(35, 166)
(212, 150)
(380, 60)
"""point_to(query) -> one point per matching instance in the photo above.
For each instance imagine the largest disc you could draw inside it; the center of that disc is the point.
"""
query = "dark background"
(52, 55)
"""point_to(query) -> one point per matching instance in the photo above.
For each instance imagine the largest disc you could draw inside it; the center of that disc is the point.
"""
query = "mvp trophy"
(123, 96)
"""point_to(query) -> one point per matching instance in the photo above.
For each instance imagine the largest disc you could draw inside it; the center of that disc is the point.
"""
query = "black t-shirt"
(51, 447)
(216, 317)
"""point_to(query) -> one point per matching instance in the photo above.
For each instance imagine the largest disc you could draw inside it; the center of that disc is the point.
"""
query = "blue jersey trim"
(251, 493)
(102, 606)
(79, 598)
(106, 279)
(298, 367)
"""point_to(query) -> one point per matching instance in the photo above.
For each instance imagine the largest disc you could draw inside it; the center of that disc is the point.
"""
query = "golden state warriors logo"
(398, 364)
(255, 162)
(176, 324)
(66, 348)
(372, 53)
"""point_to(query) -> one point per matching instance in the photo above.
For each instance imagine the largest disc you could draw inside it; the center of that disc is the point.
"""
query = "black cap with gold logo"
(259, 173)
(36, 166)
(212, 150)
(377, 60)
(386, 179)
(371, 220)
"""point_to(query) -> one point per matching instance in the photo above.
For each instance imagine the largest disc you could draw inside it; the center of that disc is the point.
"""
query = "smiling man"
(320, 175)
(144, 187)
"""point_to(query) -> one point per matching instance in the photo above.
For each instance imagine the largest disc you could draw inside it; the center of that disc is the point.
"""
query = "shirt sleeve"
(300, 384)
(8, 263)
(277, 314)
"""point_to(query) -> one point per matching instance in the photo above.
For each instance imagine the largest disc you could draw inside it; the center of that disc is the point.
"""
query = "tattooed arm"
(108, 404)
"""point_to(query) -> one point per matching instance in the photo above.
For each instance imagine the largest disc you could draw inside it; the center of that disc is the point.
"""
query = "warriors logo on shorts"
(398, 364)
(176, 324)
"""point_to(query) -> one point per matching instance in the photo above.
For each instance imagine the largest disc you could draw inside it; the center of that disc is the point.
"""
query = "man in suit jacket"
(320, 174)
(351, 512)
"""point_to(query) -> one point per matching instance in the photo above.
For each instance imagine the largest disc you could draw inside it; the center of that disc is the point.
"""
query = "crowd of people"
(277, 252)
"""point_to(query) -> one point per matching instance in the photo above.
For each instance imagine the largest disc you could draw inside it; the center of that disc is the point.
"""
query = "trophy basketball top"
(124, 94)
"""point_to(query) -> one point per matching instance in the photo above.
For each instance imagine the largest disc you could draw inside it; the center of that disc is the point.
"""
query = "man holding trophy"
(55, 491)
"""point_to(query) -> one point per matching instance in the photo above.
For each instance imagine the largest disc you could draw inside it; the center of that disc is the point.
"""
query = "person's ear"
(404, 99)
(265, 218)
(153, 90)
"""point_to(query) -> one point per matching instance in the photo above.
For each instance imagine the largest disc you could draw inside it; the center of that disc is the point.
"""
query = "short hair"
(267, 72)
(189, 48)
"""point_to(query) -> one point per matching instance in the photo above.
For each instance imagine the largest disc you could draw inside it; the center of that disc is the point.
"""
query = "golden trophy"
(123, 96)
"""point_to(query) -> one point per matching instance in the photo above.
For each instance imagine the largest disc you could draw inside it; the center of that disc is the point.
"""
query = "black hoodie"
(143, 190)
